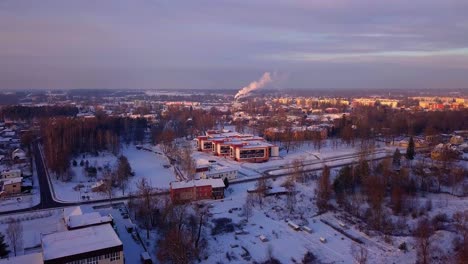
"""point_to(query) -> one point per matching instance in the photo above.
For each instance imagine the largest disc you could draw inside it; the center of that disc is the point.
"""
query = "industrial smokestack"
(255, 85)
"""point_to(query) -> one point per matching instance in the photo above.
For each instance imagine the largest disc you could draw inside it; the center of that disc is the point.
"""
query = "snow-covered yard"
(150, 164)
(34, 225)
(286, 244)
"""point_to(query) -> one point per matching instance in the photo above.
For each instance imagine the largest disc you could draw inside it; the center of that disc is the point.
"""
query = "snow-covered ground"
(149, 164)
(286, 243)
(306, 154)
(34, 225)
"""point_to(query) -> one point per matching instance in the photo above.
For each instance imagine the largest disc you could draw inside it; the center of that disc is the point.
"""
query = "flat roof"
(256, 144)
(88, 239)
(215, 183)
(12, 180)
(88, 219)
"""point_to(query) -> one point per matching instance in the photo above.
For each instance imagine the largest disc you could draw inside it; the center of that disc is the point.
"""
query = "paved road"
(48, 202)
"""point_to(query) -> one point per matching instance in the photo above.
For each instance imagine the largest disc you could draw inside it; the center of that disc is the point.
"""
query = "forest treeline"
(65, 137)
(19, 112)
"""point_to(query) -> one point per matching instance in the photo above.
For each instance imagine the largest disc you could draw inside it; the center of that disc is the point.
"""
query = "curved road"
(48, 202)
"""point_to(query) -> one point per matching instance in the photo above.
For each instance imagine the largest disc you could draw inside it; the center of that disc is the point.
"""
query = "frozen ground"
(147, 164)
(287, 244)
(34, 225)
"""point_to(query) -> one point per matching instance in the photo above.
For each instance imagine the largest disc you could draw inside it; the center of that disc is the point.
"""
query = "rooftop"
(215, 183)
(69, 243)
(75, 221)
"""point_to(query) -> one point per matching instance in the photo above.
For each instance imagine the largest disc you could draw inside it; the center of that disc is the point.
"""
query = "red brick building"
(186, 191)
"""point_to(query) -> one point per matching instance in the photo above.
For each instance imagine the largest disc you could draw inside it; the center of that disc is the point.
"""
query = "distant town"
(107, 176)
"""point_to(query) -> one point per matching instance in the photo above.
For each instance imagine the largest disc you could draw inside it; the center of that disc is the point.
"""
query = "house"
(216, 171)
(418, 142)
(186, 191)
(456, 140)
(98, 186)
(18, 154)
(94, 244)
(10, 186)
(11, 174)
(445, 152)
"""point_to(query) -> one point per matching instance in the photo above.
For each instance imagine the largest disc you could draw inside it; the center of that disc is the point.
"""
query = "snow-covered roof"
(69, 211)
(11, 171)
(215, 183)
(216, 168)
(75, 221)
(34, 258)
(12, 180)
(256, 144)
(69, 243)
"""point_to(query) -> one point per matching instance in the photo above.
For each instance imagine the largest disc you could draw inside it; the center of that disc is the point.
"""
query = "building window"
(92, 260)
(114, 256)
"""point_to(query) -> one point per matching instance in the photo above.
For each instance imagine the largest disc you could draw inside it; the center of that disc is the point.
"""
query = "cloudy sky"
(225, 44)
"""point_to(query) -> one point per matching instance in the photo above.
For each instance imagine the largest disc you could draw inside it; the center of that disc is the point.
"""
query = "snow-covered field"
(145, 163)
(285, 243)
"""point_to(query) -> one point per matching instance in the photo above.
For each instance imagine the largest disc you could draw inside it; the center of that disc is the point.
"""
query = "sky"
(226, 44)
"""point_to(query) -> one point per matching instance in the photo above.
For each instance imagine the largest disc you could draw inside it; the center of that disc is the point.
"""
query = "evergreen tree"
(410, 150)
(396, 158)
(3, 247)
(226, 183)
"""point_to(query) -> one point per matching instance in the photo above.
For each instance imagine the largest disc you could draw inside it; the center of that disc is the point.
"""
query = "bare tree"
(423, 234)
(461, 242)
(290, 186)
(124, 171)
(247, 208)
(108, 184)
(147, 202)
(324, 190)
(359, 253)
(262, 187)
(14, 233)
(296, 170)
(176, 247)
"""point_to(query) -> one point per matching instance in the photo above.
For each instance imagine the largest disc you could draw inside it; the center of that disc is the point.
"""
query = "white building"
(11, 174)
(96, 244)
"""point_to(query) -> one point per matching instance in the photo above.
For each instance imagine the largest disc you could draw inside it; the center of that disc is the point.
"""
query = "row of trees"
(65, 137)
(19, 112)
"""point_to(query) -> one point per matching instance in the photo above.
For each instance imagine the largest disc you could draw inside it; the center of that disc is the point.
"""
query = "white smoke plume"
(264, 80)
